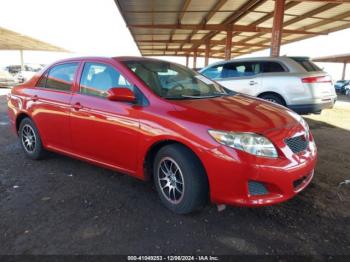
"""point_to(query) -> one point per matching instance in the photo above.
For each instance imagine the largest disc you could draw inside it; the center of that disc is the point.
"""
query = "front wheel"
(180, 179)
(30, 139)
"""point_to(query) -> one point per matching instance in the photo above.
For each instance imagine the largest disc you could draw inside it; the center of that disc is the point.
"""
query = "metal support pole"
(277, 27)
(194, 59)
(187, 60)
(22, 59)
(207, 47)
(344, 71)
(228, 45)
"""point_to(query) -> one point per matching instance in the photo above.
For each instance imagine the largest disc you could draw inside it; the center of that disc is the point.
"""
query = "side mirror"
(121, 94)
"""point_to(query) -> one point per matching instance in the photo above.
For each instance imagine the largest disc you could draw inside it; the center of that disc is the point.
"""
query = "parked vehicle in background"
(23, 75)
(294, 82)
(154, 119)
(6, 79)
(347, 89)
(340, 86)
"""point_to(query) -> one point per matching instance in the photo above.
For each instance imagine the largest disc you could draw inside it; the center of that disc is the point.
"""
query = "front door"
(103, 130)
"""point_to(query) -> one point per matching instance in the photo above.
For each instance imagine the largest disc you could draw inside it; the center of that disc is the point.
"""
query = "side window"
(98, 78)
(42, 81)
(243, 69)
(60, 77)
(272, 67)
(232, 70)
(213, 72)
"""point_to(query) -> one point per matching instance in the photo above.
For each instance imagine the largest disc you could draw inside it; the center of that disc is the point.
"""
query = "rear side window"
(244, 69)
(42, 81)
(98, 78)
(308, 65)
(271, 67)
(59, 77)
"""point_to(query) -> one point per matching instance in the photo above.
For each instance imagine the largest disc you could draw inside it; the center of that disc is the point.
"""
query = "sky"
(95, 27)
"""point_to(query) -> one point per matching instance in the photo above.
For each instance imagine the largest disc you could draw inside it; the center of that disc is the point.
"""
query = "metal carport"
(228, 28)
(10, 40)
(344, 59)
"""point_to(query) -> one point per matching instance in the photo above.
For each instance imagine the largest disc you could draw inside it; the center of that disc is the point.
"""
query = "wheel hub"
(28, 138)
(170, 180)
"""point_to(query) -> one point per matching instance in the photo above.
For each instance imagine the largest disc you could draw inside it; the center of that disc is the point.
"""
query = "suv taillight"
(316, 79)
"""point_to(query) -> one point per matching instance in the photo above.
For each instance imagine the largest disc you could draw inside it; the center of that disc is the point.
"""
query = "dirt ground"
(64, 206)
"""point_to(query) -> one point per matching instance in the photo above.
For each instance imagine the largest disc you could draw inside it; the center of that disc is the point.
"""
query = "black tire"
(195, 189)
(273, 98)
(36, 151)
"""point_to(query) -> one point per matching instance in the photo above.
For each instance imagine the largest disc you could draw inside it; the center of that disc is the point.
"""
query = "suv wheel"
(273, 98)
(180, 179)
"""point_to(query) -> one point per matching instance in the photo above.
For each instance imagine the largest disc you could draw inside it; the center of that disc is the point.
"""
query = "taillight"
(316, 79)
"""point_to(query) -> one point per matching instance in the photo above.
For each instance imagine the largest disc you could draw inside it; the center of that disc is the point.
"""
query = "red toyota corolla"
(158, 120)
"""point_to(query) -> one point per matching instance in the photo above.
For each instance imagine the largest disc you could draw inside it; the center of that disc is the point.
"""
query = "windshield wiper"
(183, 97)
(176, 97)
(199, 97)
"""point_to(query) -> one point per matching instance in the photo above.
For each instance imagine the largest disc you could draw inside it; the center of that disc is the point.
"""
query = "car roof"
(252, 59)
(103, 58)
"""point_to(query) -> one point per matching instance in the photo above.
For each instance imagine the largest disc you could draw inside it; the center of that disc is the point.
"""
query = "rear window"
(308, 65)
(271, 67)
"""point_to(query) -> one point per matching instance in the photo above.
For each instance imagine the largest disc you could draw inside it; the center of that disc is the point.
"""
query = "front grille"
(257, 188)
(297, 144)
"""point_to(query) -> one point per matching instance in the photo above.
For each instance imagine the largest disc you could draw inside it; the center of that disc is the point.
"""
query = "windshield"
(172, 81)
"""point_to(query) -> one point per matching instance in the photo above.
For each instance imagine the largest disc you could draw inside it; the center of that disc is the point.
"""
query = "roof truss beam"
(198, 42)
(221, 27)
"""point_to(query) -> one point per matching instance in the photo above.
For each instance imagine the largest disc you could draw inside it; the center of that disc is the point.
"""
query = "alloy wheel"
(170, 180)
(28, 138)
(271, 100)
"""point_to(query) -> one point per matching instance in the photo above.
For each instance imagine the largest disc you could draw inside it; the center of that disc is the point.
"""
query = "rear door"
(241, 77)
(51, 104)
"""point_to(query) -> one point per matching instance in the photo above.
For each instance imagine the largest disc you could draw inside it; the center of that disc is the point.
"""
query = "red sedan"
(161, 121)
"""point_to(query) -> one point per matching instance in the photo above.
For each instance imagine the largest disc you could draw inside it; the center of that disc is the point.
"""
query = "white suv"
(295, 82)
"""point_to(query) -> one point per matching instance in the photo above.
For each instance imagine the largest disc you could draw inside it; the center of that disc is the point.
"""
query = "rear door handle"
(77, 106)
(252, 83)
(34, 98)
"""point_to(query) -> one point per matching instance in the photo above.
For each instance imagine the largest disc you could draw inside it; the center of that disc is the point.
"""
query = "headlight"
(306, 127)
(249, 142)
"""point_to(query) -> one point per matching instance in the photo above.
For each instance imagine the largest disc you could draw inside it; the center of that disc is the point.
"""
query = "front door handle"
(77, 106)
(253, 83)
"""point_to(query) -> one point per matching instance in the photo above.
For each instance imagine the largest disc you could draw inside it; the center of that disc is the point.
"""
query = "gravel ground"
(65, 206)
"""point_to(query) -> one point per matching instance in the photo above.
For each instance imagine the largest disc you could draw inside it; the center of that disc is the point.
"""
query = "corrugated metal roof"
(159, 26)
(10, 40)
(343, 58)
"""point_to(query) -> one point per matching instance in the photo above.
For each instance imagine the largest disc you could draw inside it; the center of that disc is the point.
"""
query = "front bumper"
(231, 173)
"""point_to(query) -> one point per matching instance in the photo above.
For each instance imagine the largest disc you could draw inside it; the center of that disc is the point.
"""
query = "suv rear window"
(308, 65)
(271, 67)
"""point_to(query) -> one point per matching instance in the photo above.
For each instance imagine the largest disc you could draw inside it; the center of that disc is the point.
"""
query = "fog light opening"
(257, 188)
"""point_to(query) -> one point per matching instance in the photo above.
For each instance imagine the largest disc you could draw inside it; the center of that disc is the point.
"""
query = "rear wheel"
(273, 98)
(180, 179)
(30, 139)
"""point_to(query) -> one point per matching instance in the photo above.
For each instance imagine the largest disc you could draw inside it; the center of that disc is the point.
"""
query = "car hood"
(238, 113)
